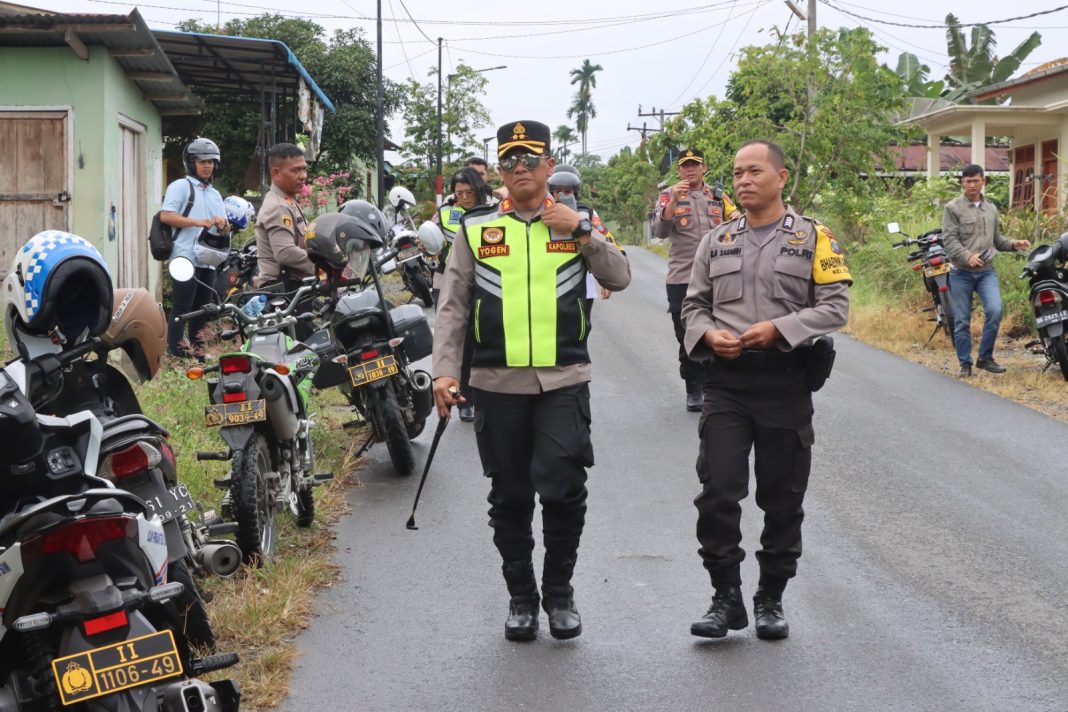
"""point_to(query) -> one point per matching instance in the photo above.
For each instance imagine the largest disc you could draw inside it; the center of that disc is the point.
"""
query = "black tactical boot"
(727, 612)
(770, 621)
(695, 397)
(558, 597)
(522, 623)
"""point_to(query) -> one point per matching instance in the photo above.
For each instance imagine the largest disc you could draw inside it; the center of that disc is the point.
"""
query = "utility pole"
(643, 130)
(485, 147)
(811, 19)
(659, 115)
(437, 179)
(380, 118)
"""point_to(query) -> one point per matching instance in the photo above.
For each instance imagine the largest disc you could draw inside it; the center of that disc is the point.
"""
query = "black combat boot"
(522, 623)
(767, 611)
(558, 597)
(727, 612)
(695, 397)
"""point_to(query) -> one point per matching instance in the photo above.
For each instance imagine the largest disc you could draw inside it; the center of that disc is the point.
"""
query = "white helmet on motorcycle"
(57, 293)
(432, 237)
(210, 249)
(400, 197)
(239, 212)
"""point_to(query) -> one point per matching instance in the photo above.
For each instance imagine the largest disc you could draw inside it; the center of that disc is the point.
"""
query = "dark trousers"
(186, 297)
(693, 372)
(771, 412)
(537, 444)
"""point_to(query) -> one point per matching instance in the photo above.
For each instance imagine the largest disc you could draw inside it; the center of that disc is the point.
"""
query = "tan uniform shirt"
(695, 215)
(969, 229)
(608, 265)
(280, 227)
(794, 277)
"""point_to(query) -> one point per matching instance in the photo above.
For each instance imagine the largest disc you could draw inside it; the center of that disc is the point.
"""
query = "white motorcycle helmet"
(432, 237)
(211, 250)
(57, 293)
(400, 198)
(239, 212)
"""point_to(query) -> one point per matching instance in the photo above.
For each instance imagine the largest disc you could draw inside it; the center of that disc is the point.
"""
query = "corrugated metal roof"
(126, 37)
(236, 63)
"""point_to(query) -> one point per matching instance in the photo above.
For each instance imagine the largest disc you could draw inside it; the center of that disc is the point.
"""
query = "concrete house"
(82, 100)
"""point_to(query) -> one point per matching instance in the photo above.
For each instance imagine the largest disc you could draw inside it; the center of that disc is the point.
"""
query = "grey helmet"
(200, 149)
(565, 176)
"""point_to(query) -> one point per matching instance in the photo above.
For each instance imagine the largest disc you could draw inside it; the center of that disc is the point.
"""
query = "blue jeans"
(961, 286)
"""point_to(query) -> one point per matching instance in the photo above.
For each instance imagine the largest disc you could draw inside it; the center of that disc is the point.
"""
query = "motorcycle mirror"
(278, 303)
(181, 269)
(893, 228)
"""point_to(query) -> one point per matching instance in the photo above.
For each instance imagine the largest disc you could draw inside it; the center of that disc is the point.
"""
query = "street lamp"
(485, 147)
(438, 180)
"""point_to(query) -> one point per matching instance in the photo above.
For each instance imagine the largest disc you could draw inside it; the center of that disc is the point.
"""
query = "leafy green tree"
(977, 66)
(563, 135)
(914, 76)
(342, 64)
(463, 113)
(626, 191)
(582, 108)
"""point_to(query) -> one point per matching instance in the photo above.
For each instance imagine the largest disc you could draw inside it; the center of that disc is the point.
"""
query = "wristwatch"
(584, 229)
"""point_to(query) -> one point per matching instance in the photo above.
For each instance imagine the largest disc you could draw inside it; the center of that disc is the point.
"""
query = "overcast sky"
(658, 55)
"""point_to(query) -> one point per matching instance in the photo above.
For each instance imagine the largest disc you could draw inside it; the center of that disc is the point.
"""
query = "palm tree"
(978, 66)
(564, 135)
(582, 108)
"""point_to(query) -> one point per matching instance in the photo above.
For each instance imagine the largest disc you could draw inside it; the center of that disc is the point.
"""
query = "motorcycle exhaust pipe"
(280, 411)
(421, 381)
(222, 558)
(422, 397)
(271, 389)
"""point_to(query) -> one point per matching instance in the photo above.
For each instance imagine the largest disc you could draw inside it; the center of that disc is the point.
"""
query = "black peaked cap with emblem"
(691, 154)
(523, 137)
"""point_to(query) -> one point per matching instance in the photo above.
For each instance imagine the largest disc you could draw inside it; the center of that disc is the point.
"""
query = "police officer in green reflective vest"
(517, 273)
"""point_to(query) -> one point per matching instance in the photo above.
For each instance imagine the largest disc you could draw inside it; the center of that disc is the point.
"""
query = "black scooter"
(1049, 301)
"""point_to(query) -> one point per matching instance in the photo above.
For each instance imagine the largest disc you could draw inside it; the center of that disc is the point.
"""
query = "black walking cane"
(442, 422)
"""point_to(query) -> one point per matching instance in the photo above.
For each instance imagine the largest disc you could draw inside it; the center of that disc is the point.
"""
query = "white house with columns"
(1033, 113)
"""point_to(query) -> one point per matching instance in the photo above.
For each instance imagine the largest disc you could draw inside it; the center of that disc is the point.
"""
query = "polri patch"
(492, 235)
(287, 221)
(487, 251)
(726, 239)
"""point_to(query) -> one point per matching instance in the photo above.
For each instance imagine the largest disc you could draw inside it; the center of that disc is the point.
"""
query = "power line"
(396, 28)
(703, 61)
(417, 56)
(737, 38)
(943, 25)
(414, 23)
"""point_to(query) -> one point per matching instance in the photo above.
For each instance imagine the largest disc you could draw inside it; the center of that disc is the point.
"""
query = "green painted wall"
(97, 92)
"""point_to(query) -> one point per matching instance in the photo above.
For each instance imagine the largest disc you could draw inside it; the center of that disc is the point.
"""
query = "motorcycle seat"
(269, 345)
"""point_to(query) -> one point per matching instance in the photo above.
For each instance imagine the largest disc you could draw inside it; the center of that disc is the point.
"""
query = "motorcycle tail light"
(936, 261)
(134, 459)
(944, 288)
(234, 397)
(1047, 297)
(168, 455)
(235, 364)
(368, 355)
(103, 624)
(81, 538)
(918, 266)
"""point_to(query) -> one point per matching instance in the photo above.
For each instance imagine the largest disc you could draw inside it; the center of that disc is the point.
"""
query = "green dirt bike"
(259, 402)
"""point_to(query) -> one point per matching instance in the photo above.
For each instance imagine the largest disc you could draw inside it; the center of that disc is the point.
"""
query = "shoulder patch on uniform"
(287, 221)
(829, 265)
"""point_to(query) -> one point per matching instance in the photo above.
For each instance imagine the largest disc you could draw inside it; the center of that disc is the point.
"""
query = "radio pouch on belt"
(820, 362)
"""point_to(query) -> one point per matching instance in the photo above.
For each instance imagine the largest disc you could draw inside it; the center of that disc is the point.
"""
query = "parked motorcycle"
(259, 401)
(1049, 300)
(376, 345)
(415, 270)
(935, 265)
(86, 615)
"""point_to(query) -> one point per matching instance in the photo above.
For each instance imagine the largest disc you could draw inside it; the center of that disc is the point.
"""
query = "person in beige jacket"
(281, 225)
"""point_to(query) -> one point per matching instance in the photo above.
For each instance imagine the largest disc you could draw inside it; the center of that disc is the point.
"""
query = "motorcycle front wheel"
(253, 501)
(419, 286)
(1060, 353)
(388, 422)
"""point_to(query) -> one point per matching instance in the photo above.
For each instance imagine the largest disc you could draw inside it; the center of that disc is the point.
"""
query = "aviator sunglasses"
(529, 160)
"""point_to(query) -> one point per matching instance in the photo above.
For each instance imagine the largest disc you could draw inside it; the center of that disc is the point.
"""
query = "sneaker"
(965, 370)
(989, 364)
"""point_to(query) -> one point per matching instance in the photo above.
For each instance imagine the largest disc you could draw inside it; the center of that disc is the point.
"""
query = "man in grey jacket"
(971, 236)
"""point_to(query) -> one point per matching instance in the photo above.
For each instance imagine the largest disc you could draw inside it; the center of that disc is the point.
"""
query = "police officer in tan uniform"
(280, 226)
(517, 274)
(684, 213)
(765, 289)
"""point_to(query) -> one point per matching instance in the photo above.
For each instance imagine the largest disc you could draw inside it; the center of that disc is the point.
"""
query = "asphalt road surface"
(933, 577)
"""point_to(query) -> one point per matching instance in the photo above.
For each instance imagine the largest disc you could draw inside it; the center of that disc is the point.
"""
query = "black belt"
(754, 360)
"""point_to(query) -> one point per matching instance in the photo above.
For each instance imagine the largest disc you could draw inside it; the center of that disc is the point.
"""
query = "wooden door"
(34, 187)
(1049, 177)
(132, 219)
(1023, 177)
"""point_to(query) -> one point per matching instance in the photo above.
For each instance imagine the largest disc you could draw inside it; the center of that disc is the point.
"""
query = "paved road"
(933, 577)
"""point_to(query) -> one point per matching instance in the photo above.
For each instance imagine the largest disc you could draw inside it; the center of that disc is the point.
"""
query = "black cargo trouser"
(693, 372)
(536, 444)
(770, 411)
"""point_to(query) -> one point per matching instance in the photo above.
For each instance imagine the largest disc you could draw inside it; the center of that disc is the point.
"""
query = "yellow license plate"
(935, 271)
(113, 668)
(376, 370)
(243, 413)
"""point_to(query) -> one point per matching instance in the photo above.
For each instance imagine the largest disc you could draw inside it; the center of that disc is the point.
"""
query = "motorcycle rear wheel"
(253, 502)
(418, 285)
(194, 616)
(945, 313)
(389, 424)
(1060, 353)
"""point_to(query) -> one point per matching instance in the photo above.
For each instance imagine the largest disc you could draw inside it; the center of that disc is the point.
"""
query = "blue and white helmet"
(239, 212)
(58, 287)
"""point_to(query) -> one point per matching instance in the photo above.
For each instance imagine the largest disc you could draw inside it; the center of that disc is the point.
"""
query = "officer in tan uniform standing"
(517, 274)
(280, 226)
(765, 290)
(685, 212)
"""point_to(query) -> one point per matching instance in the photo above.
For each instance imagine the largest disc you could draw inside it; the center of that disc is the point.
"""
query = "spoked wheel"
(1060, 353)
(945, 313)
(253, 503)
(389, 425)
